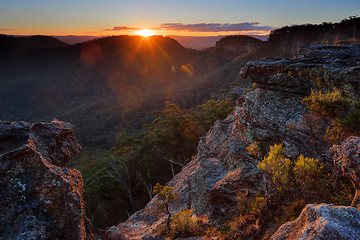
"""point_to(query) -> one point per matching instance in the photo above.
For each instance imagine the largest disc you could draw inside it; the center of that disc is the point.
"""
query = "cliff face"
(39, 197)
(223, 171)
(288, 38)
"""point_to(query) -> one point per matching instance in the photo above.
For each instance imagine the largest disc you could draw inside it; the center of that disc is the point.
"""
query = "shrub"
(336, 133)
(246, 224)
(304, 173)
(307, 172)
(327, 104)
(278, 167)
(352, 119)
(186, 224)
(256, 149)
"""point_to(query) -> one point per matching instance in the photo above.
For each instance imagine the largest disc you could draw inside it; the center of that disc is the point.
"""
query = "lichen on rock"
(322, 221)
(39, 197)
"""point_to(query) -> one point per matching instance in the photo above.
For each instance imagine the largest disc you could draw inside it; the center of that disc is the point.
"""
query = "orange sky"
(184, 18)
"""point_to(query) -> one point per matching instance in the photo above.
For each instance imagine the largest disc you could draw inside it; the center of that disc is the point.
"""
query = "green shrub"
(328, 104)
(186, 224)
(277, 166)
(307, 172)
(352, 119)
(257, 149)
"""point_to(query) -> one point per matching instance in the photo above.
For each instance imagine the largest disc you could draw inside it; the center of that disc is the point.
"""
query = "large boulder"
(39, 197)
(347, 157)
(322, 222)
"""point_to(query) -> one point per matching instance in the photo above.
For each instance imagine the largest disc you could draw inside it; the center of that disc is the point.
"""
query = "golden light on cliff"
(145, 32)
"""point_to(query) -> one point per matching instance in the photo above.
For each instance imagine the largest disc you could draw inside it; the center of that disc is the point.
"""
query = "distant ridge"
(10, 45)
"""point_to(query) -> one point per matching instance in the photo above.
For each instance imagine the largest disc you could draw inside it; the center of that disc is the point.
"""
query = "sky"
(166, 17)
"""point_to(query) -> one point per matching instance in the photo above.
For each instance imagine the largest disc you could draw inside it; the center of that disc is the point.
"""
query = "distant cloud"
(121, 28)
(216, 27)
(6, 29)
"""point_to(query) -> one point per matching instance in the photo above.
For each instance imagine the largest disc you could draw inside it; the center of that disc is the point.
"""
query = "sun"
(145, 32)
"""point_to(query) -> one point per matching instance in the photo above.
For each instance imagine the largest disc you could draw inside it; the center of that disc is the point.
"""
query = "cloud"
(121, 28)
(6, 29)
(216, 27)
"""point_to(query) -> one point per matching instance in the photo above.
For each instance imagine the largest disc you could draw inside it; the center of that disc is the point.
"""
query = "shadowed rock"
(322, 222)
(347, 157)
(317, 67)
(39, 197)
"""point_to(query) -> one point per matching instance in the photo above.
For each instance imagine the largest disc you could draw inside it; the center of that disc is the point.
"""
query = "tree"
(165, 195)
(173, 135)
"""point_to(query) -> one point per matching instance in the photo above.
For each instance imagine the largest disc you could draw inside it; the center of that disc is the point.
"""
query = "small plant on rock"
(186, 224)
(277, 166)
(166, 196)
(256, 149)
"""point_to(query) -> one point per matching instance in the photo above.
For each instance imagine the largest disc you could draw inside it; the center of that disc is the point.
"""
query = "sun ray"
(145, 32)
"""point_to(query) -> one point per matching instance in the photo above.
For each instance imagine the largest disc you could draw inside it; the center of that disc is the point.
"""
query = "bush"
(307, 172)
(344, 113)
(352, 119)
(327, 104)
(186, 224)
(257, 149)
(336, 133)
(278, 167)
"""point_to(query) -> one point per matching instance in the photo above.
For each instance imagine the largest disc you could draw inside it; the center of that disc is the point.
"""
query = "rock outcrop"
(316, 67)
(347, 157)
(320, 222)
(232, 46)
(223, 171)
(39, 197)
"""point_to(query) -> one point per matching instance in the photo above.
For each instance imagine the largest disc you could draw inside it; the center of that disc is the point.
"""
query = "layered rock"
(320, 222)
(316, 67)
(223, 171)
(39, 197)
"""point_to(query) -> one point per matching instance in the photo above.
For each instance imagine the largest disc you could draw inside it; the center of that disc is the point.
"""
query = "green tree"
(165, 196)
(173, 135)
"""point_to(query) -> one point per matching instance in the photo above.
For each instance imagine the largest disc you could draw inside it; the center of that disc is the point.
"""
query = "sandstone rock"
(347, 157)
(39, 197)
(321, 67)
(322, 222)
(220, 153)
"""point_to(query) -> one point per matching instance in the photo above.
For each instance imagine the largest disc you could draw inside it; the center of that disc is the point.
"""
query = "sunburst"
(145, 32)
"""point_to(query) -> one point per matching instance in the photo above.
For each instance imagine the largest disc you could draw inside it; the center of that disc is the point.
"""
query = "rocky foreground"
(42, 199)
(39, 197)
